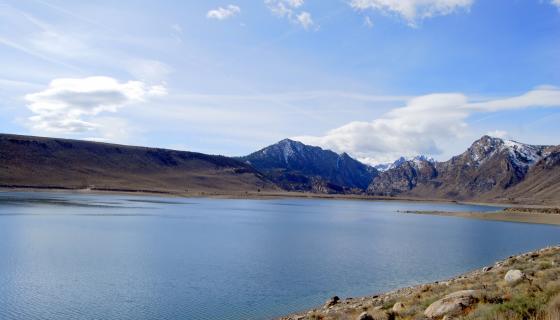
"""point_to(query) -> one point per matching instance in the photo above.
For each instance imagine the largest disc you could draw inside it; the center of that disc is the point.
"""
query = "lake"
(79, 256)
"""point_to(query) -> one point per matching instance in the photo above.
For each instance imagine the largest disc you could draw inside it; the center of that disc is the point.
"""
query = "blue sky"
(374, 78)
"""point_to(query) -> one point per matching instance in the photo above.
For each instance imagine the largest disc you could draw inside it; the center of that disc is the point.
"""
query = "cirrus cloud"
(413, 10)
(69, 105)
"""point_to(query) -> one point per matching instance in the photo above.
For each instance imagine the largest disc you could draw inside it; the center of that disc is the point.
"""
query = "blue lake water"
(75, 256)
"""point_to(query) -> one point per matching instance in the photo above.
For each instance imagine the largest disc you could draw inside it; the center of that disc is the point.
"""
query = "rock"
(398, 307)
(486, 269)
(451, 305)
(365, 316)
(514, 276)
(332, 301)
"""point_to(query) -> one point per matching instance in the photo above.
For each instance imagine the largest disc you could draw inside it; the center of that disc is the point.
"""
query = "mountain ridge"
(296, 166)
(491, 169)
(39, 162)
(488, 170)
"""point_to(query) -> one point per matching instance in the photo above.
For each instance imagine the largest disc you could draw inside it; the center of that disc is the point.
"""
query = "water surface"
(75, 256)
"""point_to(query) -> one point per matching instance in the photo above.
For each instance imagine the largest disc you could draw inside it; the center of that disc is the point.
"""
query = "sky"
(378, 79)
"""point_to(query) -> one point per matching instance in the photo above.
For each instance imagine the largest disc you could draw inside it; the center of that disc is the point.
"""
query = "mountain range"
(491, 169)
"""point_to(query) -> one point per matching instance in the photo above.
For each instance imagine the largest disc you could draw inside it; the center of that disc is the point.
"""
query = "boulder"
(451, 305)
(398, 307)
(332, 301)
(365, 316)
(514, 276)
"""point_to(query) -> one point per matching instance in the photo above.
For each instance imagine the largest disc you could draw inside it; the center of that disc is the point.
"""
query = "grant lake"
(84, 256)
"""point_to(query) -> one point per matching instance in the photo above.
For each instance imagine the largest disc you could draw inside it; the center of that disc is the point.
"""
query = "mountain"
(72, 164)
(383, 166)
(386, 166)
(295, 166)
(488, 169)
(542, 181)
(403, 175)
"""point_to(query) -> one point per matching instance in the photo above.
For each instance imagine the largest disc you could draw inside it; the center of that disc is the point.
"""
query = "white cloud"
(222, 13)
(413, 10)
(70, 105)
(545, 96)
(295, 3)
(499, 134)
(283, 8)
(556, 3)
(368, 22)
(407, 131)
(289, 9)
(422, 125)
(305, 19)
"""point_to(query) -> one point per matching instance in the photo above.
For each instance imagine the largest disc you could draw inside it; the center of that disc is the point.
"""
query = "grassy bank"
(530, 291)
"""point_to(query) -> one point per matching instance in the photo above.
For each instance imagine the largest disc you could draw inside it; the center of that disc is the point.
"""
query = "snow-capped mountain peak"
(522, 155)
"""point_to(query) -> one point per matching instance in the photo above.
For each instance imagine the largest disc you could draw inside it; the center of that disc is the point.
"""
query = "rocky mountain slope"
(386, 166)
(491, 168)
(59, 163)
(542, 181)
(298, 167)
(403, 175)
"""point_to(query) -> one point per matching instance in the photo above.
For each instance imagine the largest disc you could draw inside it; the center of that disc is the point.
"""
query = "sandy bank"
(524, 215)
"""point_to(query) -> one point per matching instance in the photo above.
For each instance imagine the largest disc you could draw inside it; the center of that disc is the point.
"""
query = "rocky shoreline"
(524, 287)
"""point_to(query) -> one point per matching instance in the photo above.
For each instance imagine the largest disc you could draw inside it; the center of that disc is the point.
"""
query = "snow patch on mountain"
(421, 160)
(522, 155)
(417, 161)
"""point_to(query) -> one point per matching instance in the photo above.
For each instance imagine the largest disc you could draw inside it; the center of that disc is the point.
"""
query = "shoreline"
(533, 217)
(482, 293)
(534, 214)
(253, 195)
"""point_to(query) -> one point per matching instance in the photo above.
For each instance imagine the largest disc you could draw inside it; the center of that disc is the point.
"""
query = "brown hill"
(34, 162)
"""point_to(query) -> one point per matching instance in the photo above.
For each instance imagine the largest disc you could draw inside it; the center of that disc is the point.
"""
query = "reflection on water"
(77, 256)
